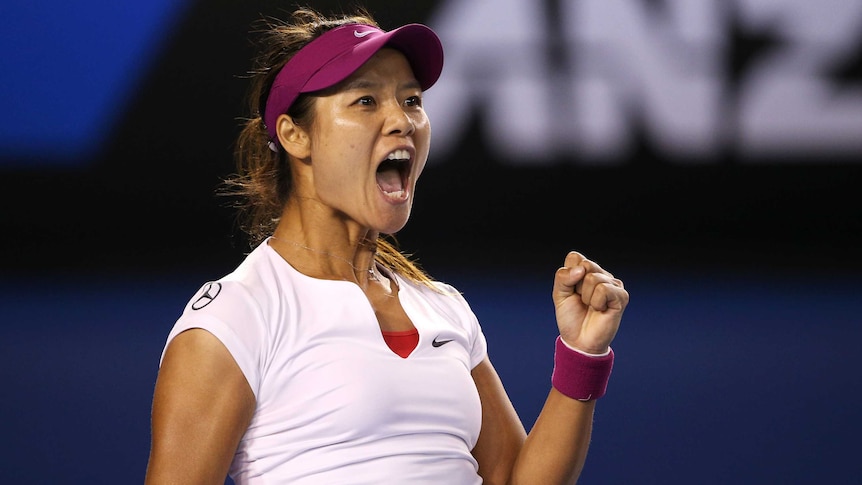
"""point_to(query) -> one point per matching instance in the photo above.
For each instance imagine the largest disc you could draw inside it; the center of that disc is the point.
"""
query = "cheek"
(422, 123)
(421, 160)
(350, 141)
(423, 144)
(339, 145)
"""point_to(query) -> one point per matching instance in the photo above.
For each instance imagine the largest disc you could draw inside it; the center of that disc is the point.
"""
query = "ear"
(293, 137)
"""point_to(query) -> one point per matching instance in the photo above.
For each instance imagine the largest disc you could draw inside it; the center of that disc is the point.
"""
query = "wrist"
(580, 375)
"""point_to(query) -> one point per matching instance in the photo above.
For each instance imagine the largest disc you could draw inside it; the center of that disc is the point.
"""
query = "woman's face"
(369, 143)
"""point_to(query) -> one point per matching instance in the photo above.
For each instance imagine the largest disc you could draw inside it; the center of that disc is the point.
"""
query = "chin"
(393, 226)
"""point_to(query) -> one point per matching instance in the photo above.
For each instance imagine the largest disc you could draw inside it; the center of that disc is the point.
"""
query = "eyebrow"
(366, 84)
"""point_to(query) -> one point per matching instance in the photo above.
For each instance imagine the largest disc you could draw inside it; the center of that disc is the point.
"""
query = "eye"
(365, 101)
(413, 101)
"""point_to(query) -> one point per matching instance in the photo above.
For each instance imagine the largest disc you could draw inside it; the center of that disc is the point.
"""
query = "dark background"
(736, 361)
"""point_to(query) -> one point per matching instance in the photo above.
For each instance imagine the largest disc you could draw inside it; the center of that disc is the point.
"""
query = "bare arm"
(553, 453)
(202, 406)
(502, 434)
(556, 449)
(589, 304)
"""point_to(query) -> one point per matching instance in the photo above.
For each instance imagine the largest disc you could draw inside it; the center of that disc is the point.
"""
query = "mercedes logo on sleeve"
(208, 293)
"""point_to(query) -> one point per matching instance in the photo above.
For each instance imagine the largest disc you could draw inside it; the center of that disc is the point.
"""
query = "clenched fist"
(589, 304)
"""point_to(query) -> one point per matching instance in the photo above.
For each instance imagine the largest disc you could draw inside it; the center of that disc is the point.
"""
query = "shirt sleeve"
(227, 311)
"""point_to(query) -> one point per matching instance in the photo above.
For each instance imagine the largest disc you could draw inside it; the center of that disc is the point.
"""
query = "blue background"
(719, 378)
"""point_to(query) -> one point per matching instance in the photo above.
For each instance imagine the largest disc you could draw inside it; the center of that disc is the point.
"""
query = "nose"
(398, 121)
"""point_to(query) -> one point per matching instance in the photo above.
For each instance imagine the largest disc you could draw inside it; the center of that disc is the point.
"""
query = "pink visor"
(338, 53)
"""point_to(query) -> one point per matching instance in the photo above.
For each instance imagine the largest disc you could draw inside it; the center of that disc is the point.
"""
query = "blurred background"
(707, 152)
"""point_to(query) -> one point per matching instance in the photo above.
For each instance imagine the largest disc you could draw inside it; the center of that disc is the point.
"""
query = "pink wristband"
(580, 376)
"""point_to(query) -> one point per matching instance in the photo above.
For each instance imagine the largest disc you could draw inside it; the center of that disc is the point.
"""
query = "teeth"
(399, 155)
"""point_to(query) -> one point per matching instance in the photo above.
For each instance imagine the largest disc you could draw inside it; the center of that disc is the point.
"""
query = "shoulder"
(245, 290)
(245, 303)
(239, 309)
(450, 296)
(445, 299)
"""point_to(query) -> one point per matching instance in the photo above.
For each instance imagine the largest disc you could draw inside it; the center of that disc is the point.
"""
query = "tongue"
(389, 180)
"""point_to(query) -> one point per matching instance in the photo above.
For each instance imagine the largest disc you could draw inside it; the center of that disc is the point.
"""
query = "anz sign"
(700, 80)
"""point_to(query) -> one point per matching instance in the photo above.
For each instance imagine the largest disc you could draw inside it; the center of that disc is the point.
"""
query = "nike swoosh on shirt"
(439, 343)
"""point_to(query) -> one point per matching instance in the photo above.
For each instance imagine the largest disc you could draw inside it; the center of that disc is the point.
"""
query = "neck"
(361, 265)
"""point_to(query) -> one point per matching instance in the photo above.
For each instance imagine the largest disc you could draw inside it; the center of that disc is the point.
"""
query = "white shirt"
(334, 404)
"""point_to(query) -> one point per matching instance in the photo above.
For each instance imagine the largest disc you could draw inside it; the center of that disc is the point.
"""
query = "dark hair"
(263, 182)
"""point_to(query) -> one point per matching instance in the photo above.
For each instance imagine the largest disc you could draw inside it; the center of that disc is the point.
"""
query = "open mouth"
(393, 173)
